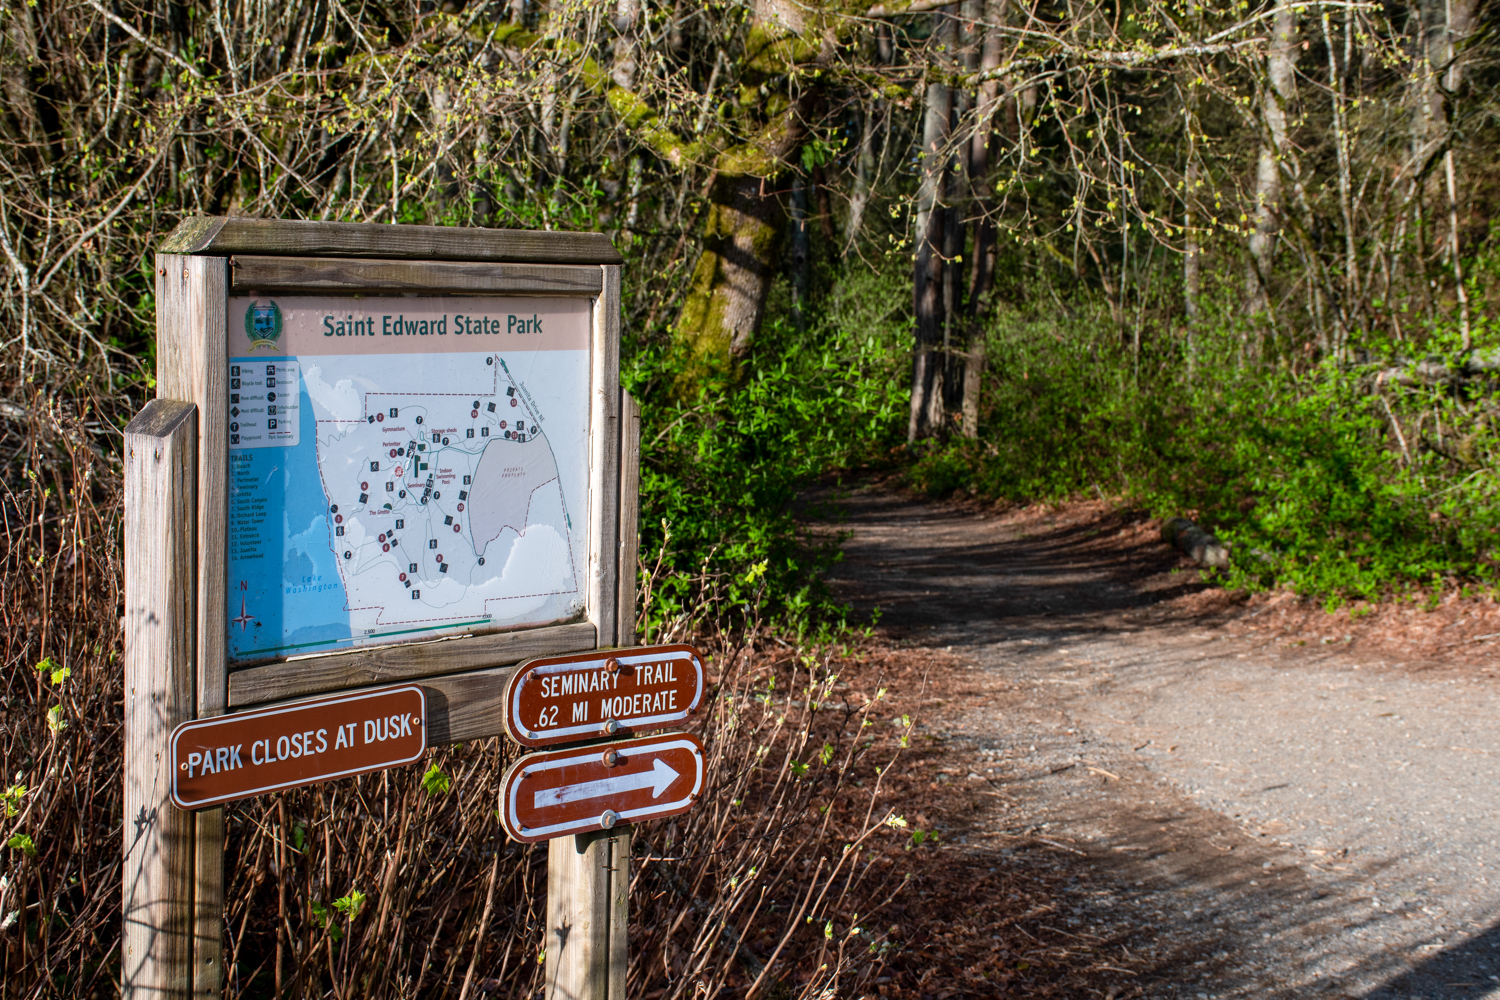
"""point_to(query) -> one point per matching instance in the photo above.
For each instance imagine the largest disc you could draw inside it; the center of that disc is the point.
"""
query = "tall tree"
(726, 296)
(1438, 71)
(1276, 91)
(928, 264)
(983, 249)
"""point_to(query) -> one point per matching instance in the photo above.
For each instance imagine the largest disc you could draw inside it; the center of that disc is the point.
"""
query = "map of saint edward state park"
(403, 468)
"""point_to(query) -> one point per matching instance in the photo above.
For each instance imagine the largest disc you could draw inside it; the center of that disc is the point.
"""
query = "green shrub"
(719, 471)
(1301, 471)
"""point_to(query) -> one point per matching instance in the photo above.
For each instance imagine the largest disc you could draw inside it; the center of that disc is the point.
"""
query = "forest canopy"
(1048, 246)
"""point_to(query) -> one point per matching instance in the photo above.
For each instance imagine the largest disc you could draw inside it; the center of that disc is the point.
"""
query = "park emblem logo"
(263, 325)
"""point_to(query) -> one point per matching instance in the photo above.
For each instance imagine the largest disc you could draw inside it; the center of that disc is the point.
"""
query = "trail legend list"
(264, 403)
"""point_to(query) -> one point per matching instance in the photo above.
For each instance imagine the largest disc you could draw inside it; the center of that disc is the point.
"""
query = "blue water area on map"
(284, 584)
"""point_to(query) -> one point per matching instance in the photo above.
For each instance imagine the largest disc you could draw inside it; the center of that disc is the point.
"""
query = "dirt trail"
(1251, 814)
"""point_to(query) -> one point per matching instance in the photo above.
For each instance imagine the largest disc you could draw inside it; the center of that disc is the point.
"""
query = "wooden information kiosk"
(385, 465)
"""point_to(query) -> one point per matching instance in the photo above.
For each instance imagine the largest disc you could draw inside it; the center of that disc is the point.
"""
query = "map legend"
(264, 403)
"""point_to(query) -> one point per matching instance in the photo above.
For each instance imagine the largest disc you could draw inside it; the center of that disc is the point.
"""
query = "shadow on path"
(1114, 735)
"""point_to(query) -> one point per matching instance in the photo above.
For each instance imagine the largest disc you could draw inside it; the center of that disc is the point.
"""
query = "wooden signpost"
(386, 464)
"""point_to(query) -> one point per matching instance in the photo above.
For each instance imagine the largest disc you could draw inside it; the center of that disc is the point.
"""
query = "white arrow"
(657, 779)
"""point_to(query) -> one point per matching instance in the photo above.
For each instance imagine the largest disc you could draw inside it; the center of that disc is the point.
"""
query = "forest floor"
(1209, 795)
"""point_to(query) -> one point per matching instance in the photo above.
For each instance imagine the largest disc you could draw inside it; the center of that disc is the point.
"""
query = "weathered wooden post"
(387, 465)
(161, 456)
(588, 874)
(588, 909)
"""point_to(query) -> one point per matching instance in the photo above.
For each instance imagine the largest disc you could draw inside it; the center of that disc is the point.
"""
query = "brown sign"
(250, 753)
(546, 795)
(617, 692)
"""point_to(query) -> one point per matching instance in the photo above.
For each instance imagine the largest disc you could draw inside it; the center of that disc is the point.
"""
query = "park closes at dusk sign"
(233, 757)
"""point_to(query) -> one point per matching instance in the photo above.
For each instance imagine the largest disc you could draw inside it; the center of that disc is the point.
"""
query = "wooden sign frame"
(176, 657)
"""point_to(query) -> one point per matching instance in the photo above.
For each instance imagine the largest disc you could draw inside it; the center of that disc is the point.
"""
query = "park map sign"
(388, 468)
(402, 468)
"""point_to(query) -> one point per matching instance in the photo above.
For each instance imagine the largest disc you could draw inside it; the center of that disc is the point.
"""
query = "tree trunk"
(981, 186)
(871, 115)
(927, 272)
(864, 174)
(1275, 97)
(801, 250)
(742, 229)
(623, 72)
(726, 296)
(1191, 280)
(1444, 24)
(973, 377)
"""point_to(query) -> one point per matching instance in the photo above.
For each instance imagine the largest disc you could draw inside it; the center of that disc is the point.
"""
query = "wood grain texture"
(464, 707)
(338, 671)
(161, 464)
(208, 902)
(284, 237)
(588, 897)
(344, 276)
(460, 707)
(604, 458)
(192, 366)
(630, 501)
(618, 940)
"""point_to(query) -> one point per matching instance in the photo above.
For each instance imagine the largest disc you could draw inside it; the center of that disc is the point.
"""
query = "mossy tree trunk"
(742, 229)
(726, 297)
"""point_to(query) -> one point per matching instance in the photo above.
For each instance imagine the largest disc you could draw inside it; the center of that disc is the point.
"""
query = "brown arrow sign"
(546, 795)
(236, 756)
(617, 692)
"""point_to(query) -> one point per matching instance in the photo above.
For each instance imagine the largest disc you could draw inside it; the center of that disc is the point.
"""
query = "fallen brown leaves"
(1457, 629)
(970, 922)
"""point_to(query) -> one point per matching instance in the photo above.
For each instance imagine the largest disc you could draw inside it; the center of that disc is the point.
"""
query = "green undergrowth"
(720, 468)
(1326, 478)
(1331, 477)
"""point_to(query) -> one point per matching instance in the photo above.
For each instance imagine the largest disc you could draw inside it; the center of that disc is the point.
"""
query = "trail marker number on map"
(551, 794)
(619, 692)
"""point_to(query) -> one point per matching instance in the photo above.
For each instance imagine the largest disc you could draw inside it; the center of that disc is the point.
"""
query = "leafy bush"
(719, 469)
(1339, 479)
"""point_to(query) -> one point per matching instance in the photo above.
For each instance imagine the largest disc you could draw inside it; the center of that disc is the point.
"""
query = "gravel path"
(1254, 814)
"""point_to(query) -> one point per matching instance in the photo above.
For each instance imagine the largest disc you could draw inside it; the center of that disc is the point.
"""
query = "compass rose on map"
(244, 618)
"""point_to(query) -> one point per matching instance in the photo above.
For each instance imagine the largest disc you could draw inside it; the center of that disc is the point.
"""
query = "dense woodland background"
(1233, 261)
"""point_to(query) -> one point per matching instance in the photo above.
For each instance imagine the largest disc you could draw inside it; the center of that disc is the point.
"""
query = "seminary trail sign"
(565, 699)
(547, 795)
(232, 757)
